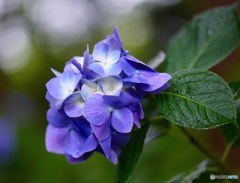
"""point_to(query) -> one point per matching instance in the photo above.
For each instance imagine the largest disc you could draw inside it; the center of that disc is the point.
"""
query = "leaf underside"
(190, 176)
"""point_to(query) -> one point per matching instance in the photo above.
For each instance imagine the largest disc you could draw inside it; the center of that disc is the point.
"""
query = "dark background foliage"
(38, 35)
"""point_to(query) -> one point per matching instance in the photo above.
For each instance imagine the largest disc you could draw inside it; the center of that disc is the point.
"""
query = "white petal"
(113, 56)
(100, 52)
(88, 89)
(110, 85)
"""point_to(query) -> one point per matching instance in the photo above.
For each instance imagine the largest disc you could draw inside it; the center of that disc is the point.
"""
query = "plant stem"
(228, 148)
(202, 149)
(155, 118)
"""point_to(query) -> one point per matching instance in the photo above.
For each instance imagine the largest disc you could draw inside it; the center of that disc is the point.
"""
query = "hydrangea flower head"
(96, 101)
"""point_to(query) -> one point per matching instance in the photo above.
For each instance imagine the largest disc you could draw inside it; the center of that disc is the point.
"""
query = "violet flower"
(96, 101)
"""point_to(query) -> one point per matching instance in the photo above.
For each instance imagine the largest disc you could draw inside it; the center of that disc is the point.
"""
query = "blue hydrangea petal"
(137, 78)
(114, 157)
(159, 90)
(77, 144)
(54, 103)
(62, 86)
(122, 120)
(117, 37)
(137, 114)
(91, 143)
(55, 72)
(128, 69)
(82, 158)
(136, 119)
(58, 118)
(113, 56)
(86, 59)
(123, 100)
(55, 139)
(74, 104)
(106, 147)
(96, 111)
(156, 81)
(106, 70)
(133, 60)
(70, 67)
(101, 132)
(97, 68)
(112, 69)
(74, 144)
(100, 52)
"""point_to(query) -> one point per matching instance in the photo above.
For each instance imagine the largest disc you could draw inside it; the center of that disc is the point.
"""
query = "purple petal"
(77, 144)
(124, 99)
(58, 118)
(106, 70)
(106, 147)
(84, 157)
(113, 56)
(97, 68)
(91, 143)
(53, 102)
(86, 59)
(100, 51)
(162, 88)
(114, 157)
(128, 69)
(112, 69)
(136, 119)
(74, 105)
(137, 78)
(122, 120)
(101, 132)
(137, 114)
(156, 81)
(74, 65)
(138, 63)
(96, 111)
(62, 86)
(117, 37)
(55, 139)
(74, 144)
(55, 72)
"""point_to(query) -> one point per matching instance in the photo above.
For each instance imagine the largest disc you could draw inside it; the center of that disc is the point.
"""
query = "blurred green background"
(42, 34)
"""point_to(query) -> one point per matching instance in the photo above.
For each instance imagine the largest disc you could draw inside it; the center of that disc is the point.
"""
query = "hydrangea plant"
(95, 103)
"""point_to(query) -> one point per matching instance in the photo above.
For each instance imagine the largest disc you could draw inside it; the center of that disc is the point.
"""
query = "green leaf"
(230, 133)
(205, 41)
(197, 99)
(190, 176)
(131, 153)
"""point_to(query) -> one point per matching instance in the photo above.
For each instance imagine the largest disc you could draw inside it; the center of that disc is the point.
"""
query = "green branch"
(201, 148)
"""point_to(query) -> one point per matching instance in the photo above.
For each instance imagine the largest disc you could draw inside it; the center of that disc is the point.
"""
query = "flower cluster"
(95, 101)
